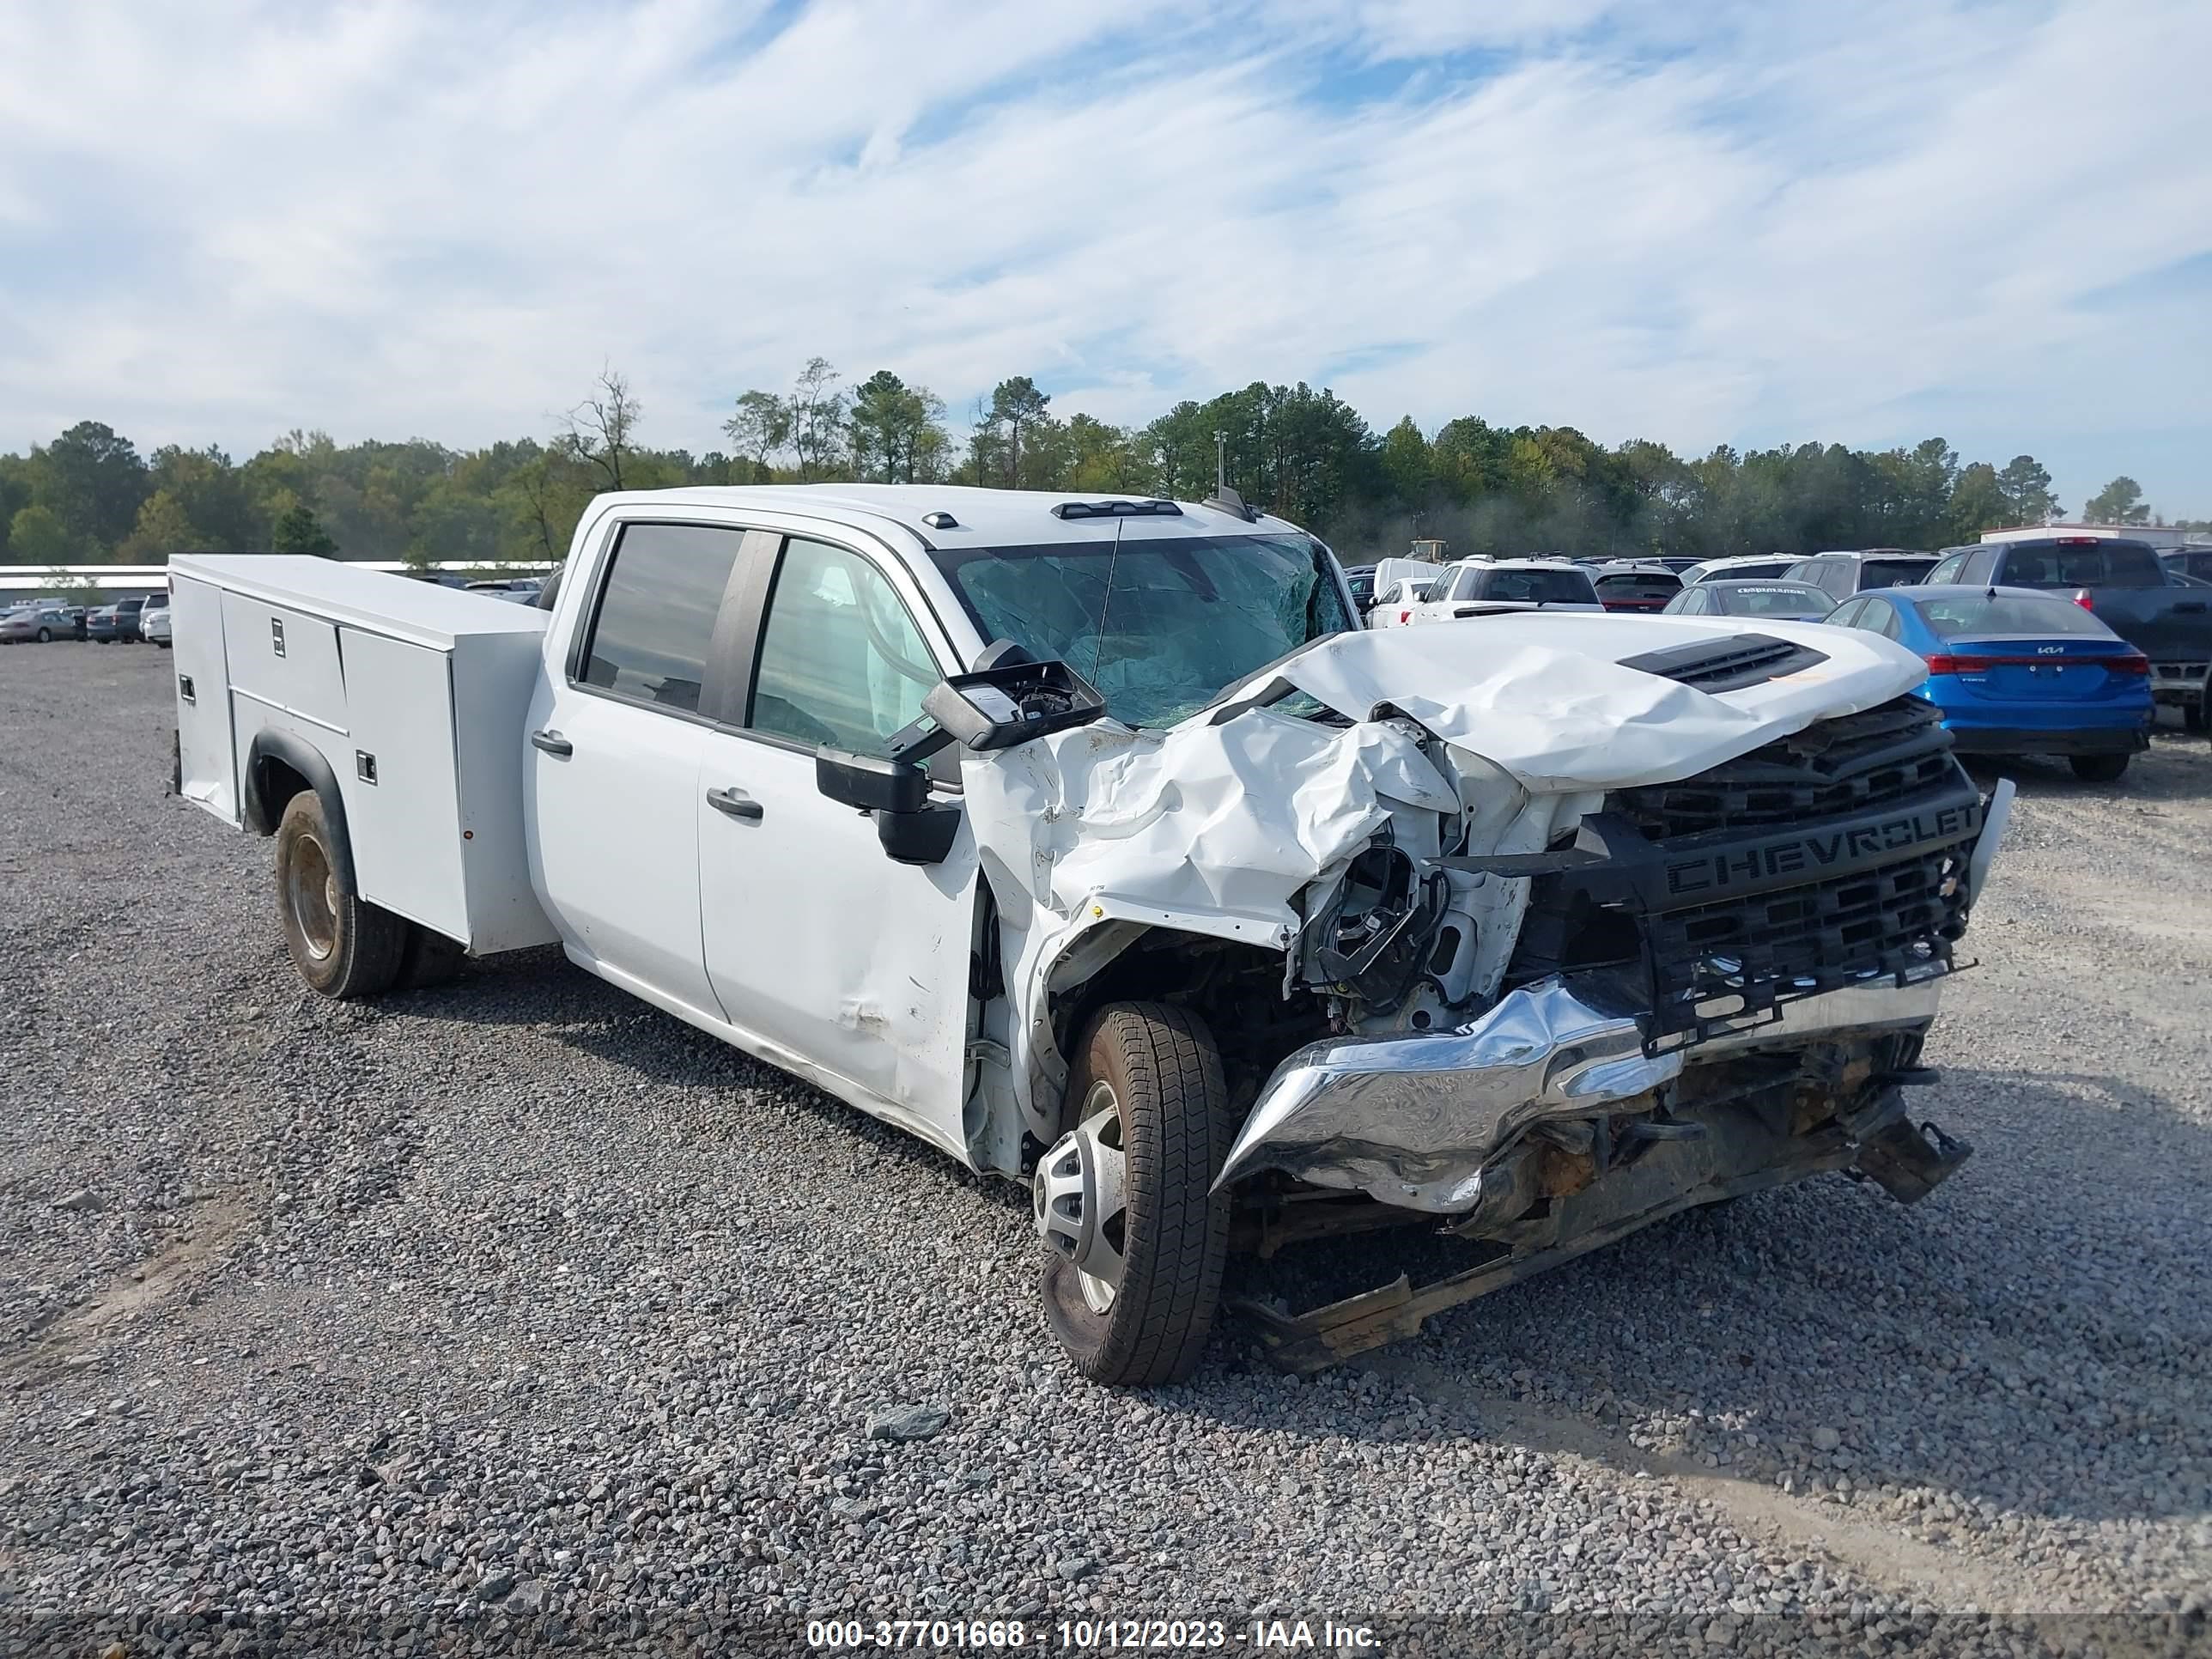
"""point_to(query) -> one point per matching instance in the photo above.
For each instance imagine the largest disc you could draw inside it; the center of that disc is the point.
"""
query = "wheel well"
(275, 782)
(1236, 988)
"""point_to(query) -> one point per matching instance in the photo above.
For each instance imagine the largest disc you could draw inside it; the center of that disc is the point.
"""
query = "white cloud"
(1775, 223)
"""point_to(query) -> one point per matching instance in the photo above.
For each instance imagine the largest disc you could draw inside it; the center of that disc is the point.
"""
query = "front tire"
(2098, 768)
(1135, 1241)
(342, 945)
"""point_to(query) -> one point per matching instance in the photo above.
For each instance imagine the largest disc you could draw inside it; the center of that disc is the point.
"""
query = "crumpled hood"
(1545, 698)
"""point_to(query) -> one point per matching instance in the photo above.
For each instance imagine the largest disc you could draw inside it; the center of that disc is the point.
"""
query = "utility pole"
(1220, 461)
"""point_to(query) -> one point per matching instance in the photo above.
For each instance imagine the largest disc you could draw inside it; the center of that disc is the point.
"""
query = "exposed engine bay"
(1541, 994)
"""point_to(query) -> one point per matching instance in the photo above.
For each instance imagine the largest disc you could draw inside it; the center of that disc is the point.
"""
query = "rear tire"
(2098, 768)
(342, 945)
(45, 637)
(2193, 714)
(1158, 1071)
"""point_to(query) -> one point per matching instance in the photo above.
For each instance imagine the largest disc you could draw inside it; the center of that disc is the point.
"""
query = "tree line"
(89, 496)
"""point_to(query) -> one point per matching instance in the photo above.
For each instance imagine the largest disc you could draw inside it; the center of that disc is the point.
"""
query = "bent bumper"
(1412, 1119)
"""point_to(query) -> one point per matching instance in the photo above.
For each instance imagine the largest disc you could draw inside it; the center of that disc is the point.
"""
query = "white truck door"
(616, 736)
(207, 765)
(846, 966)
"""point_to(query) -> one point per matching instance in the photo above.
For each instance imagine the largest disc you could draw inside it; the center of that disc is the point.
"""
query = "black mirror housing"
(870, 783)
(1011, 702)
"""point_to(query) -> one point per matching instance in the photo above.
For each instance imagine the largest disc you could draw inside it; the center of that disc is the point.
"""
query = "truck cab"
(1094, 842)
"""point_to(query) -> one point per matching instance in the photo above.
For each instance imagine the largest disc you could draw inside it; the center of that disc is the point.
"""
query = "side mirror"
(1011, 701)
(998, 707)
(895, 791)
(870, 783)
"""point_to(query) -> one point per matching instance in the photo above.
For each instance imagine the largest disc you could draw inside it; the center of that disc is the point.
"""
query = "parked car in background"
(1361, 579)
(1876, 566)
(1842, 574)
(2129, 587)
(1749, 567)
(1774, 601)
(521, 590)
(111, 623)
(38, 623)
(1401, 595)
(154, 621)
(1478, 587)
(1626, 586)
(2018, 672)
(1675, 562)
(2190, 563)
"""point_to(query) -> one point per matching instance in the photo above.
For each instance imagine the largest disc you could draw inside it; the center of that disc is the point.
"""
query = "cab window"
(842, 663)
(654, 626)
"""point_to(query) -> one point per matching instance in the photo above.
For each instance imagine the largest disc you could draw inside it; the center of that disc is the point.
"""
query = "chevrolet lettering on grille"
(1744, 868)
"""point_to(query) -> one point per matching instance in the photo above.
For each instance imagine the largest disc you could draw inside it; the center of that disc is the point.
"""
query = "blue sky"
(1729, 223)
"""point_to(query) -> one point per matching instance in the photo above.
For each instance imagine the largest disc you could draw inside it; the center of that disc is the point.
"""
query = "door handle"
(553, 742)
(736, 804)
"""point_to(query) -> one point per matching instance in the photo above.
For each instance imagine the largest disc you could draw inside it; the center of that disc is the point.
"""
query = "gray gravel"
(516, 1307)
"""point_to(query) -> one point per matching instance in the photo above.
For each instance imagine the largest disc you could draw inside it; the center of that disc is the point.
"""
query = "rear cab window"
(1536, 587)
(2104, 564)
(653, 632)
(1891, 573)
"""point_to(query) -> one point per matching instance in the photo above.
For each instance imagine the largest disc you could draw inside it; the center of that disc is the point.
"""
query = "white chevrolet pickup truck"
(1096, 843)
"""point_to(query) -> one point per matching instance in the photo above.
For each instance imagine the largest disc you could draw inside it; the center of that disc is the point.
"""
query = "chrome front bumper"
(1411, 1120)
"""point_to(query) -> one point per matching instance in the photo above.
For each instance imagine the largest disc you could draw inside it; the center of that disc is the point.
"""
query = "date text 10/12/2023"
(1100, 1635)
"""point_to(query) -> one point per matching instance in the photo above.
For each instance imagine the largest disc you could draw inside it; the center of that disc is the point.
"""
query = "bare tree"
(598, 430)
(817, 419)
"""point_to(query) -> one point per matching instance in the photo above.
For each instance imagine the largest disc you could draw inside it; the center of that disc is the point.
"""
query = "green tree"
(2118, 502)
(760, 428)
(1407, 462)
(163, 527)
(2026, 488)
(1016, 408)
(1979, 502)
(897, 431)
(94, 483)
(37, 536)
(211, 492)
(301, 531)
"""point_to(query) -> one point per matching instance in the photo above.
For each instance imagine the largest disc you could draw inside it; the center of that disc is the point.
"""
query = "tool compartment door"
(396, 771)
(207, 765)
(285, 659)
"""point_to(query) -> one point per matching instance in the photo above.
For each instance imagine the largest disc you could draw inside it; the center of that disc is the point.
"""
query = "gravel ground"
(517, 1308)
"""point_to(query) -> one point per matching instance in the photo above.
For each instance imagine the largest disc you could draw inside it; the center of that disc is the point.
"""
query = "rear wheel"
(1134, 1241)
(342, 945)
(2192, 713)
(2098, 768)
(45, 637)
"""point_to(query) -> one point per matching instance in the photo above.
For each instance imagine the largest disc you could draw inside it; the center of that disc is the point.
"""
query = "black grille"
(1842, 765)
(1815, 937)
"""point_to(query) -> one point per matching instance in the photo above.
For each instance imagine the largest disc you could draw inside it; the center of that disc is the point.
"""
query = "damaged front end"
(1716, 985)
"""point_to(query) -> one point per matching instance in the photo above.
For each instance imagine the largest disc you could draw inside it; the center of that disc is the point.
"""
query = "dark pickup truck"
(2126, 586)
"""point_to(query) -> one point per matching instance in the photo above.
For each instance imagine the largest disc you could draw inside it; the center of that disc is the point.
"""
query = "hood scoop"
(1728, 665)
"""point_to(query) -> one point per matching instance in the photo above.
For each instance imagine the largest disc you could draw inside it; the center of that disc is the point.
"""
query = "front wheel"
(1134, 1240)
(342, 945)
(2098, 768)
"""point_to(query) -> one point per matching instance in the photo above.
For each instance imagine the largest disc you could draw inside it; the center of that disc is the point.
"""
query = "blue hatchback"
(2016, 671)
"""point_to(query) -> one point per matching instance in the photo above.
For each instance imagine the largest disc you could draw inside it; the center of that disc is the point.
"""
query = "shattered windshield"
(1158, 625)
